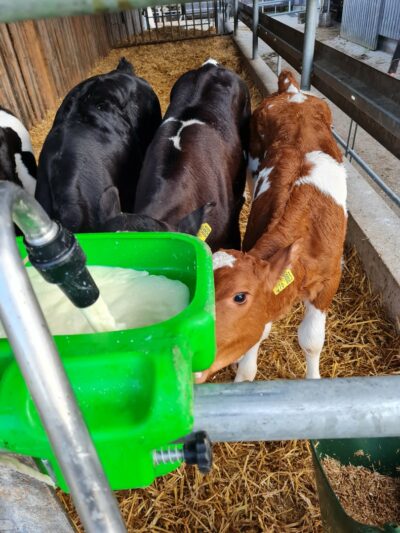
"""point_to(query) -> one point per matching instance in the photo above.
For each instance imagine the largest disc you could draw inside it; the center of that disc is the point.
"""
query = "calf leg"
(247, 365)
(311, 336)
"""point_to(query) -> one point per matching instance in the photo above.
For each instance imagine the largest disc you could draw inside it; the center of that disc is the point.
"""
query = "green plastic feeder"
(383, 455)
(134, 387)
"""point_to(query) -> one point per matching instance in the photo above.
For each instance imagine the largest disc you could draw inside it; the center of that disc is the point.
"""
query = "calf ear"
(280, 261)
(109, 204)
(192, 222)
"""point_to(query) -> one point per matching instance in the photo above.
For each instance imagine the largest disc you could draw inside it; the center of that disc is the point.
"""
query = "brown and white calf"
(297, 223)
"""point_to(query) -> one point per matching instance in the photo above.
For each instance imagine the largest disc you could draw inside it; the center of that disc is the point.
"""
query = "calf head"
(243, 297)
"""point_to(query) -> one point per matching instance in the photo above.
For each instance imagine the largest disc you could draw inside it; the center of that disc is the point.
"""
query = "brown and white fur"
(297, 220)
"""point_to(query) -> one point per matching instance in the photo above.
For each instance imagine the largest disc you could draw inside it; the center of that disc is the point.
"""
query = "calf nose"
(201, 377)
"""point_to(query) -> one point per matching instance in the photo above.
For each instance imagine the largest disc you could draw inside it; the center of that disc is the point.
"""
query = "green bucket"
(134, 387)
(382, 455)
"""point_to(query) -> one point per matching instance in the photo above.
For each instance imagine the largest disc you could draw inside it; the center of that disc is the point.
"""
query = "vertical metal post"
(348, 137)
(309, 43)
(235, 16)
(290, 6)
(278, 65)
(255, 29)
(353, 142)
(40, 364)
(215, 16)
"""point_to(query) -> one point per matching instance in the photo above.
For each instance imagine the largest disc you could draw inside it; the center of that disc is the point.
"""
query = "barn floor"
(255, 486)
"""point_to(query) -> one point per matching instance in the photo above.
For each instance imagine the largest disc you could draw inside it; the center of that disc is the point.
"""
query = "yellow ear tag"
(204, 231)
(284, 281)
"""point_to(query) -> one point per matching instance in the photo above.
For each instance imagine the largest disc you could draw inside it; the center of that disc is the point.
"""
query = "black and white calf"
(195, 167)
(92, 157)
(17, 162)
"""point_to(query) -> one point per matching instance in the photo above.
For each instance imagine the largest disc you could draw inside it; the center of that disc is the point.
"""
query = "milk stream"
(100, 318)
(128, 299)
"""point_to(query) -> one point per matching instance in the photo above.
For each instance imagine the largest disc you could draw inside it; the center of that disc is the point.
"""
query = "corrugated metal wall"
(361, 21)
(364, 20)
(390, 26)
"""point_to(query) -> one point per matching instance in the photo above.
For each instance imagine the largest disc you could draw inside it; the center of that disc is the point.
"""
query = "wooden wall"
(41, 60)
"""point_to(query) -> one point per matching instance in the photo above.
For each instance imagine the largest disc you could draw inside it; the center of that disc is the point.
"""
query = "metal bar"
(14, 10)
(201, 17)
(302, 409)
(278, 65)
(235, 16)
(377, 179)
(155, 17)
(215, 16)
(309, 43)
(37, 357)
(208, 17)
(170, 21)
(353, 141)
(255, 28)
(348, 137)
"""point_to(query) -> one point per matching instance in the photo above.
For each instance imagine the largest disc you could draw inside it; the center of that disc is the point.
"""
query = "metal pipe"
(377, 179)
(302, 409)
(14, 10)
(255, 29)
(348, 137)
(309, 43)
(278, 65)
(353, 141)
(37, 357)
(235, 16)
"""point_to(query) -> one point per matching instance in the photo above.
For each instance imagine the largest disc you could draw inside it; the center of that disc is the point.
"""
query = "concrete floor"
(386, 165)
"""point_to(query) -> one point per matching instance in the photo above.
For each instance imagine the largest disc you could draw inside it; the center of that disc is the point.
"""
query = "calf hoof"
(245, 376)
(316, 375)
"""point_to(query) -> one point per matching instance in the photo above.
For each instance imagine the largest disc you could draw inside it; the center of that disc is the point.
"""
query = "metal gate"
(170, 22)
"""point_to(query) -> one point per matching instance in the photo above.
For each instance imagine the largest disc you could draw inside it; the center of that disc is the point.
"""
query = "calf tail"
(286, 79)
(125, 66)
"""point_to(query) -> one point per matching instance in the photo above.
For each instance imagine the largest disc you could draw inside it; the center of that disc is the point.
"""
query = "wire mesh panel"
(170, 22)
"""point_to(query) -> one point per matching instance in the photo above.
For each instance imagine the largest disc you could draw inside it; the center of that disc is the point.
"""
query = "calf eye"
(240, 298)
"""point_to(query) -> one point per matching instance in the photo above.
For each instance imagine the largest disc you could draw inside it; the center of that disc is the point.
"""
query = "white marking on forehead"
(9, 121)
(253, 164)
(286, 80)
(222, 259)
(298, 98)
(292, 89)
(327, 175)
(176, 139)
(263, 183)
(210, 61)
(270, 106)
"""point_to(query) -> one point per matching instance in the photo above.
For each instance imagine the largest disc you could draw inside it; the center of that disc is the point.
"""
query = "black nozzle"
(62, 261)
(197, 450)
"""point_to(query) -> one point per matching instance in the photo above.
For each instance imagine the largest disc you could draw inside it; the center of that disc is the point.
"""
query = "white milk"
(129, 299)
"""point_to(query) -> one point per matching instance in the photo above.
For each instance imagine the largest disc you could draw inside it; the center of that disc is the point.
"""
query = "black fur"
(211, 165)
(91, 159)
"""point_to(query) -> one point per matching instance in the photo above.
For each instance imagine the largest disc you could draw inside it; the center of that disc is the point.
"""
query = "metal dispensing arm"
(37, 356)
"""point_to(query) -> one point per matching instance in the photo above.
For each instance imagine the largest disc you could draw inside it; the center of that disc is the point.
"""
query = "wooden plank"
(12, 67)
(41, 60)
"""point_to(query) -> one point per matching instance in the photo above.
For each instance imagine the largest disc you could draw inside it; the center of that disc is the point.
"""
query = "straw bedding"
(367, 496)
(254, 486)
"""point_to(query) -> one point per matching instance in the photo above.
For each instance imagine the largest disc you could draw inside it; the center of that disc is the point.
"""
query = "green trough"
(134, 387)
